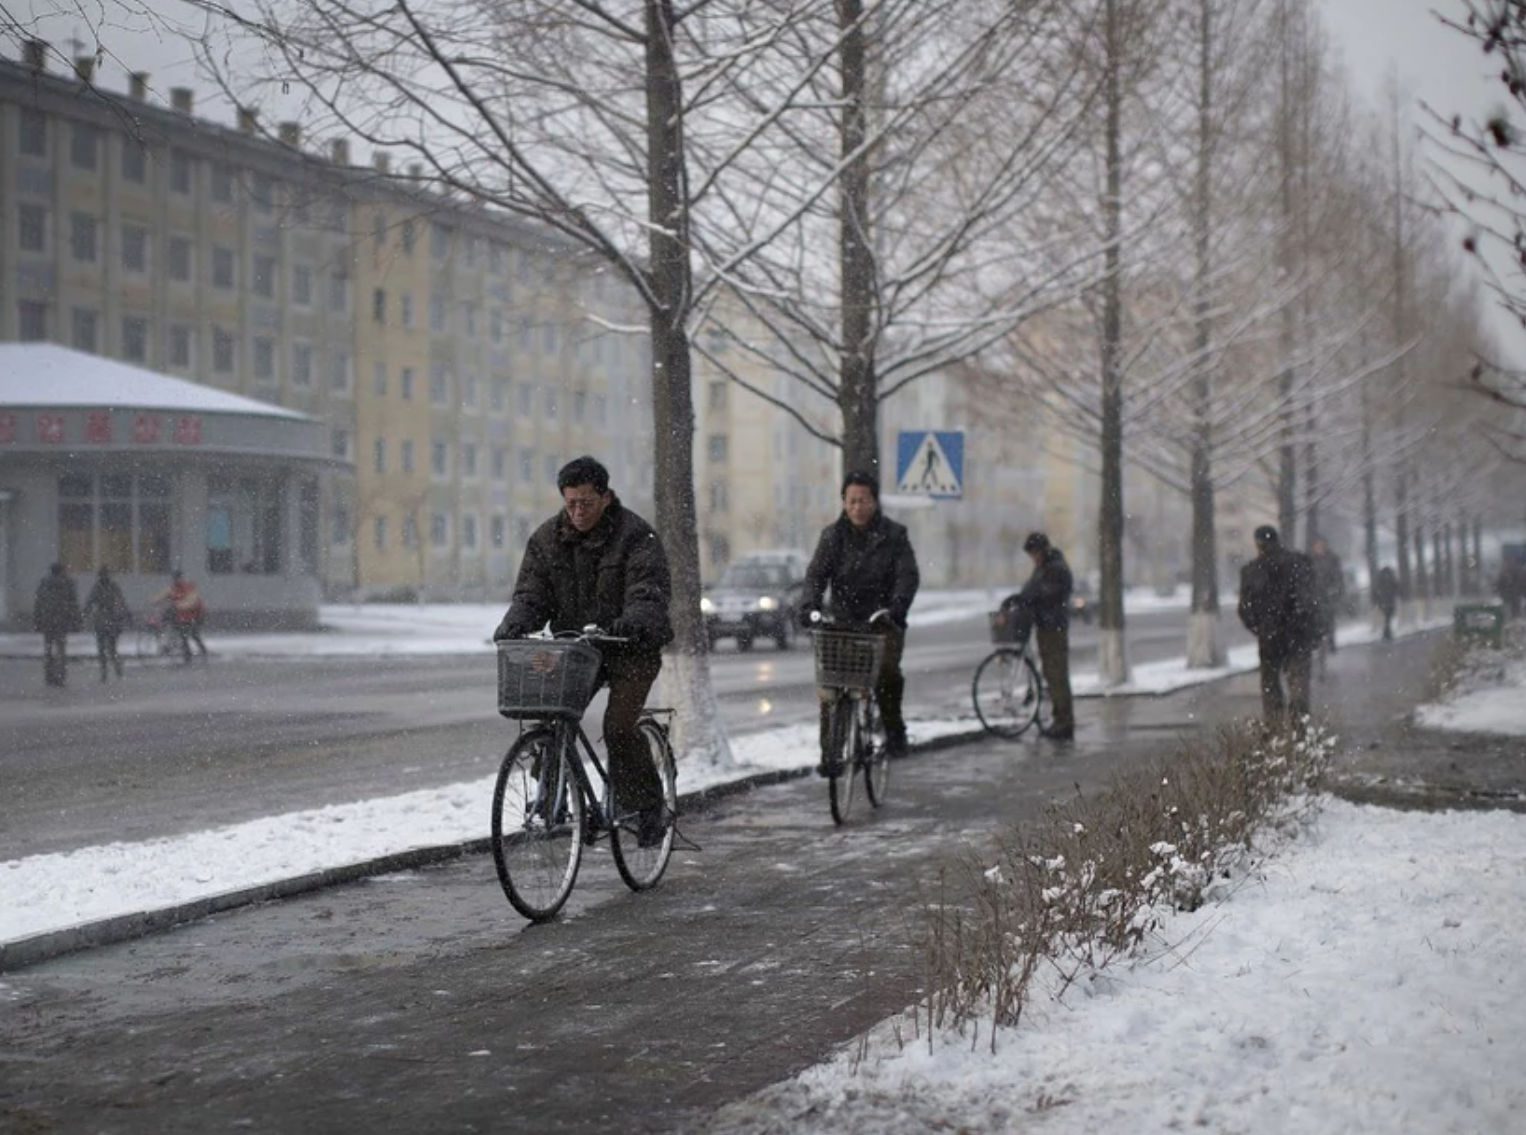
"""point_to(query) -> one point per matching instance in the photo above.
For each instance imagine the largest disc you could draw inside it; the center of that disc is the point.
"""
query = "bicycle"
(1008, 688)
(546, 805)
(155, 638)
(847, 665)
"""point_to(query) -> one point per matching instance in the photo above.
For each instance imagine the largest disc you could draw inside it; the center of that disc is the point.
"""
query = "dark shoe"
(828, 768)
(895, 745)
(652, 826)
(1066, 734)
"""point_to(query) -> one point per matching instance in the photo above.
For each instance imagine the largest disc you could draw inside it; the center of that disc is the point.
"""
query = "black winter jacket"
(615, 576)
(56, 611)
(866, 571)
(106, 607)
(1279, 603)
(1046, 595)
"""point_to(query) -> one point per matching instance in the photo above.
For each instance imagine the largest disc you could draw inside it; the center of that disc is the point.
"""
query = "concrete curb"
(24, 952)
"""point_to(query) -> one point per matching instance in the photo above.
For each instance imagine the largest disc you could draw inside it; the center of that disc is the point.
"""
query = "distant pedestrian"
(1044, 604)
(187, 612)
(1329, 591)
(106, 609)
(1385, 597)
(1512, 586)
(1278, 605)
(56, 613)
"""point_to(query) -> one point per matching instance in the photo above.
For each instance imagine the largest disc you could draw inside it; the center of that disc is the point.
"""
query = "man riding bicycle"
(866, 561)
(597, 563)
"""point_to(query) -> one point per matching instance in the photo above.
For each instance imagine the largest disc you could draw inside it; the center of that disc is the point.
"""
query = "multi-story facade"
(450, 351)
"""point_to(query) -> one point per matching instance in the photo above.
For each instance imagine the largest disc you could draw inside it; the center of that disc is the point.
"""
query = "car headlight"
(706, 607)
(767, 603)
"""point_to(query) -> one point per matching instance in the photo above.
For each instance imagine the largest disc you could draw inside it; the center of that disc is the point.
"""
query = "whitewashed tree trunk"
(1203, 649)
(1112, 657)
(697, 735)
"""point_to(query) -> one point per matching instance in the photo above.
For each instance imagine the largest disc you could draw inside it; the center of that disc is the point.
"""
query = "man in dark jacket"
(596, 562)
(106, 608)
(865, 560)
(1385, 597)
(1044, 604)
(1279, 606)
(55, 612)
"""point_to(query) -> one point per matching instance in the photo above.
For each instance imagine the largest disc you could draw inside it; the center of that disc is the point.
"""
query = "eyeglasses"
(582, 504)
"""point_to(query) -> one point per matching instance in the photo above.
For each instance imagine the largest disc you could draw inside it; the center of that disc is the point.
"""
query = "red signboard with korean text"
(145, 429)
(7, 429)
(50, 429)
(98, 427)
(188, 430)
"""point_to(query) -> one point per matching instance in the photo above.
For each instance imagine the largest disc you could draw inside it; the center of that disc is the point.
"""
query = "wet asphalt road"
(419, 1001)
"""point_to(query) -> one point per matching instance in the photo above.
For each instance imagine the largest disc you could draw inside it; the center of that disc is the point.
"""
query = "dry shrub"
(1089, 882)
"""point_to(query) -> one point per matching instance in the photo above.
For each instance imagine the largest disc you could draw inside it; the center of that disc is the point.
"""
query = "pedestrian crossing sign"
(930, 463)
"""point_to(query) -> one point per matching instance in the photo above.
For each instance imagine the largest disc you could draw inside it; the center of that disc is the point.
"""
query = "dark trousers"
(55, 657)
(1054, 661)
(631, 769)
(1277, 664)
(1388, 624)
(106, 651)
(187, 633)
(888, 691)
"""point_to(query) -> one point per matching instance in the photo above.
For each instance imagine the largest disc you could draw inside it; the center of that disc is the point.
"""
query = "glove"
(625, 628)
(507, 630)
(807, 617)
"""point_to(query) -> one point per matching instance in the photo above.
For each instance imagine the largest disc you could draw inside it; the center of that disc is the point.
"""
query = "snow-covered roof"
(46, 375)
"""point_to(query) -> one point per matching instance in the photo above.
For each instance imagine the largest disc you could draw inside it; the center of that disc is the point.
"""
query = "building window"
(178, 255)
(341, 375)
(340, 520)
(498, 396)
(31, 320)
(134, 162)
(302, 285)
(182, 350)
(134, 249)
(553, 401)
(552, 465)
(438, 458)
(222, 351)
(180, 172)
(500, 462)
(378, 230)
(84, 145)
(380, 529)
(264, 276)
(379, 306)
(579, 405)
(469, 460)
(379, 455)
(301, 364)
(221, 187)
(410, 532)
(437, 313)
(244, 525)
(406, 458)
(135, 339)
(469, 390)
(82, 237)
(717, 396)
(262, 192)
(222, 267)
(405, 384)
(495, 529)
(117, 521)
(379, 379)
(527, 465)
(409, 237)
(405, 301)
(548, 338)
(339, 293)
(439, 241)
(526, 399)
(495, 258)
(32, 228)
(469, 531)
(341, 444)
(263, 359)
(33, 138)
(469, 318)
(86, 330)
(716, 447)
(439, 385)
(720, 497)
(495, 325)
(439, 529)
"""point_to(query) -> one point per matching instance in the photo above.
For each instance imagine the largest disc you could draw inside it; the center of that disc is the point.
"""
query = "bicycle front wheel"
(1007, 693)
(845, 736)
(537, 825)
(642, 867)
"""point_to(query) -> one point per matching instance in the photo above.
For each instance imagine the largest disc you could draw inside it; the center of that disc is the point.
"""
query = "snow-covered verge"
(1487, 694)
(44, 893)
(1366, 979)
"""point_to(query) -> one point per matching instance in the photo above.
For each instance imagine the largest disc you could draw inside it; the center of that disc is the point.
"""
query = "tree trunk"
(1401, 534)
(1112, 661)
(1422, 581)
(1465, 582)
(696, 732)
(1310, 480)
(858, 394)
(1287, 458)
(1369, 495)
(1441, 556)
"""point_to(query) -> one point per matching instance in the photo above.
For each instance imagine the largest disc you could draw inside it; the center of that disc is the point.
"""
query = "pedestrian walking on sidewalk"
(1329, 590)
(186, 612)
(56, 613)
(1385, 597)
(1044, 604)
(106, 609)
(1279, 605)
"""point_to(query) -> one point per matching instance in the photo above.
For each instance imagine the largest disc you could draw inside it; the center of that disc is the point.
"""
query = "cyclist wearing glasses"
(596, 562)
(866, 560)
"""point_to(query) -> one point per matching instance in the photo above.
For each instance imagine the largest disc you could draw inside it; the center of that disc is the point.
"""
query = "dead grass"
(1088, 883)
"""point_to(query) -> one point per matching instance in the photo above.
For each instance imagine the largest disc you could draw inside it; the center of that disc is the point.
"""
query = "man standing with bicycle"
(597, 563)
(865, 560)
(1044, 605)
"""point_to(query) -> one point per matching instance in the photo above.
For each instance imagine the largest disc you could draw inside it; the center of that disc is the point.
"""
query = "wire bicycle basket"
(546, 678)
(1010, 626)
(847, 660)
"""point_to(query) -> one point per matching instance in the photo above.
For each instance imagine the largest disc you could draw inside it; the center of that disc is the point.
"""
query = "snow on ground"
(43, 893)
(1490, 699)
(1369, 980)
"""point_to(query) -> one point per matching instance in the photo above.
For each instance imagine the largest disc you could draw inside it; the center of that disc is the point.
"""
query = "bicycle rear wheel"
(1007, 692)
(875, 758)
(537, 825)
(845, 765)
(642, 867)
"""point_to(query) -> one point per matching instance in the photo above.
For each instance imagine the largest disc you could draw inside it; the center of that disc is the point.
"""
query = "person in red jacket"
(187, 612)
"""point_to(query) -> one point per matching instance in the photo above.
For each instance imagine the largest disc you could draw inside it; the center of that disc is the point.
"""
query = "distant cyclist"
(597, 563)
(865, 560)
(1044, 604)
